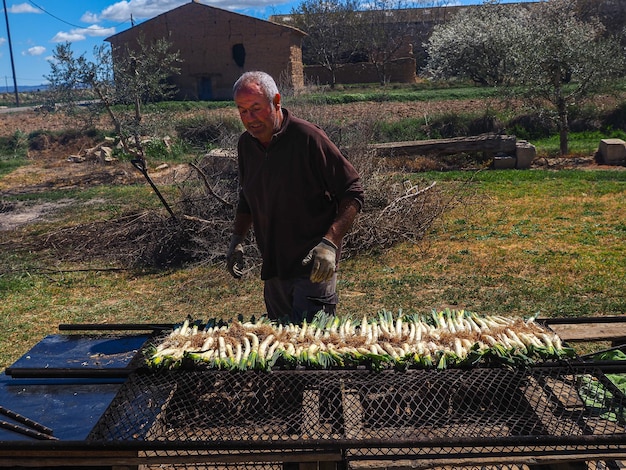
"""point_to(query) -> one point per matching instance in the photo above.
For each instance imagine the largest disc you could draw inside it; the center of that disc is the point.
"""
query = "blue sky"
(37, 26)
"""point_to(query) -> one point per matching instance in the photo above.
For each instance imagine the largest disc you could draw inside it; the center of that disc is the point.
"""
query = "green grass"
(341, 96)
(95, 203)
(579, 143)
(14, 147)
(551, 242)
(526, 242)
(9, 165)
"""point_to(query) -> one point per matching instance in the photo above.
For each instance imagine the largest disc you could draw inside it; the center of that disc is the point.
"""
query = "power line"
(67, 22)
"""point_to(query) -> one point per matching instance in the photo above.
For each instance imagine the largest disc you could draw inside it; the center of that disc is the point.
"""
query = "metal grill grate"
(417, 414)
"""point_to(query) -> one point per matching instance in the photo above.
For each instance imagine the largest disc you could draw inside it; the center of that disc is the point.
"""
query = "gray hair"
(264, 80)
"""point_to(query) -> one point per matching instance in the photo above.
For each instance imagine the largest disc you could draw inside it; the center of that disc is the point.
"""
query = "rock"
(106, 154)
(524, 154)
(612, 151)
(219, 152)
(503, 162)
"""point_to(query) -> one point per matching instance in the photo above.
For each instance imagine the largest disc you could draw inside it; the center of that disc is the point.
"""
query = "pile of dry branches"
(200, 223)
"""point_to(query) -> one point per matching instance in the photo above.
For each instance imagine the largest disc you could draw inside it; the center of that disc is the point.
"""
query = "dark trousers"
(299, 298)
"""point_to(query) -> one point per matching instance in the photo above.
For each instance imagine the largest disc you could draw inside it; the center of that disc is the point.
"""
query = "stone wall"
(398, 71)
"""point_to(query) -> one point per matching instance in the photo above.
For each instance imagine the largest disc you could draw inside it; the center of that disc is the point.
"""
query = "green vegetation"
(519, 242)
(400, 94)
(540, 241)
(580, 143)
(7, 166)
(13, 147)
(529, 241)
(13, 152)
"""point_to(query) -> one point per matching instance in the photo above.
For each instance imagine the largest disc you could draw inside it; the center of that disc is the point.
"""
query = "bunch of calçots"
(442, 339)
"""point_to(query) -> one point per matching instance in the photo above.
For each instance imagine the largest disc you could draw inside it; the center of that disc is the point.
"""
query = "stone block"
(612, 151)
(503, 162)
(524, 154)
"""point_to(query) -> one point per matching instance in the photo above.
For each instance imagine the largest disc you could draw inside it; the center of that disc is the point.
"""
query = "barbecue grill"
(97, 405)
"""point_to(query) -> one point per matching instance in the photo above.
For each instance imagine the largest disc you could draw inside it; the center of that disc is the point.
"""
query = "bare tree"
(389, 29)
(331, 29)
(386, 29)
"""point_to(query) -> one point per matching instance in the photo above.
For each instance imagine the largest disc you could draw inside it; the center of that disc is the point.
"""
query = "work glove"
(234, 256)
(323, 256)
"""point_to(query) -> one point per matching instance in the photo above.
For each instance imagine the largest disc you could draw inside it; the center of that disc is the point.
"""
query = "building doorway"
(205, 89)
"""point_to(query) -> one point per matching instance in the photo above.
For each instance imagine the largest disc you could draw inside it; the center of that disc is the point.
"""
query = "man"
(299, 193)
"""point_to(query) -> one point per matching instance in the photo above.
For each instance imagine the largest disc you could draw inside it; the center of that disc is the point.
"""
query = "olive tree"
(138, 75)
(476, 44)
(564, 59)
(543, 52)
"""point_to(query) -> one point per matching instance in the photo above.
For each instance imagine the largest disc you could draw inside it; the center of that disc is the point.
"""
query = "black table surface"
(69, 406)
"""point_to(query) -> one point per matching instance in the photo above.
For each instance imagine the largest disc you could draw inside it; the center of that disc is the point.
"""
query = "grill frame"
(518, 446)
(415, 450)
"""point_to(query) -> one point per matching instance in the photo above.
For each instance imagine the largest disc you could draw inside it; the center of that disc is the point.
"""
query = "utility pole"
(6, 17)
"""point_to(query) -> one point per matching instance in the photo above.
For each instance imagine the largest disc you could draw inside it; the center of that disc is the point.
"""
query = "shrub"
(406, 129)
(584, 119)
(443, 126)
(531, 126)
(448, 125)
(616, 119)
(41, 140)
(15, 146)
(165, 149)
(486, 124)
(202, 132)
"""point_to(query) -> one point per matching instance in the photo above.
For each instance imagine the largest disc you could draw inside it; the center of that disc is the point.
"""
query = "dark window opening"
(239, 54)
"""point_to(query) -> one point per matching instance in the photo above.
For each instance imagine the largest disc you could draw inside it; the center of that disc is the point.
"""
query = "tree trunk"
(563, 127)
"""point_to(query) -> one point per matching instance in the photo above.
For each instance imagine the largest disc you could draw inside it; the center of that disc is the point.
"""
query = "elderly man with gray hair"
(299, 194)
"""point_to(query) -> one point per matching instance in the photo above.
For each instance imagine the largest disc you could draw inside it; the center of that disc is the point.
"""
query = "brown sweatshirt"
(292, 189)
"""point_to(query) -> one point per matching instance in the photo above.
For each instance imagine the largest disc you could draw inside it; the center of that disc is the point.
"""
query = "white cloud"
(89, 17)
(145, 9)
(95, 31)
(2, 41)
(139, 9)
(80, 34)
(64, 36)
(24, 8)
(35, 50)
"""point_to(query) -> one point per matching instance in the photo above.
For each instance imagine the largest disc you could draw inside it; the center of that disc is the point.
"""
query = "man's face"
(260, 117)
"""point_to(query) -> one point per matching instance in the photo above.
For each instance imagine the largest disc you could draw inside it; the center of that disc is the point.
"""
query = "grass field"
(552, 242)
(518, 243)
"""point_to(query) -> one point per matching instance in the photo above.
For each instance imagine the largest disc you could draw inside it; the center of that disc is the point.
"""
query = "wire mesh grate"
(419, 414)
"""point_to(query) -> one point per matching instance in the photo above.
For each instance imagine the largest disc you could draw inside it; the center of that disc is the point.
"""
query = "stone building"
(216, 46)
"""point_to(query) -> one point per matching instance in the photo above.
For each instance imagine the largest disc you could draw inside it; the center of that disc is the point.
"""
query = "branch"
(196, 219)
(208, 186)
(411, 192)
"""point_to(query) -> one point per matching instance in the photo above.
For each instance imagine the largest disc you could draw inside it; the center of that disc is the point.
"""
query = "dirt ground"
(51, 166)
